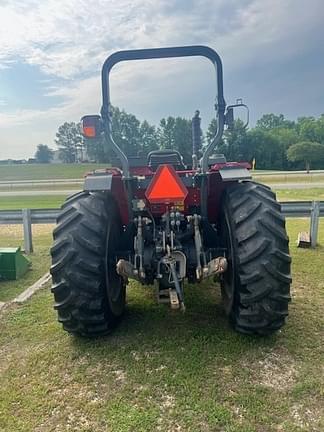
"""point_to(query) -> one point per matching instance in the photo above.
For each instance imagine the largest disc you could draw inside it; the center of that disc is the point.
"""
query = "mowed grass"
(278, 177)
(43, 187)
(168, 371)
(55, 201)
(17, 172)
(46, 171)
(12, 236)
(32, 202)
(312, 194)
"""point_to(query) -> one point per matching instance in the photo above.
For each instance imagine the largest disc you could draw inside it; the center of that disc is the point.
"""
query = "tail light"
(91, 126)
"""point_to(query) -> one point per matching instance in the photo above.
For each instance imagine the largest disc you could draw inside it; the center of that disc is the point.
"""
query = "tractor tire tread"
(78, 265)
(262, 259)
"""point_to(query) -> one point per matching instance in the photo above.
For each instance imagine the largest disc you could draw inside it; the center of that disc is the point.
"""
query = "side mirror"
(229, 115)
(91, 126)
(229, 118)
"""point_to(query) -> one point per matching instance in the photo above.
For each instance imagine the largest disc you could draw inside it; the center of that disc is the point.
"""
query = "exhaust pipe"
(196, 139)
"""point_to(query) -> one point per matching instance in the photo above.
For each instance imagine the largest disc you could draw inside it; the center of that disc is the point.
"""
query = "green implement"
(13, 264)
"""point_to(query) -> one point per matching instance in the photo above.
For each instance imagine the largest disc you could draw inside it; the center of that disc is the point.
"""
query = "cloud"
(67, 39)
(68, 42)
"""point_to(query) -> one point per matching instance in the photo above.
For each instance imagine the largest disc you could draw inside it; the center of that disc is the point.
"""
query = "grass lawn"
(11, 236)
(166, 371)
(74, 171)
(45, 171)
(43, 187)
(55, 201)
(316, 194)
(40, 201)
(289, 178)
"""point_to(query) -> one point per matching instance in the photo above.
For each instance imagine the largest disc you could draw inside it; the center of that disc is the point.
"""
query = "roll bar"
(158, 53)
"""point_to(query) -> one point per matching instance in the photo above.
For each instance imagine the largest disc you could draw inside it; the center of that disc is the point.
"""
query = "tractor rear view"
(160, 222)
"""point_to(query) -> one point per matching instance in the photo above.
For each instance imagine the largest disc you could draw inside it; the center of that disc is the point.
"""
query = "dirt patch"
(42, 229)
(276, 370)
(76, 421)
(16, 230)
(164, 422)
(306, 418)
(120, 376)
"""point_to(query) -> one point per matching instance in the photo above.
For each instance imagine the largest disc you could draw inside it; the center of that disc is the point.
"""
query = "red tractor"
(160, 222)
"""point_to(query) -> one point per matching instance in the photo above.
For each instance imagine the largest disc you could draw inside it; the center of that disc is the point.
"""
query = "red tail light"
(91, 126)
(166, 186)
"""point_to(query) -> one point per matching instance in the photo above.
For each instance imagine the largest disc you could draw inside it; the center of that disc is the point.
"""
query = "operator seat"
(168, 156)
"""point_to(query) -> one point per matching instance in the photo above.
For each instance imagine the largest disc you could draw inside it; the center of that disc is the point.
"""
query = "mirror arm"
(106, 116)
(229, 115)
(215, 141)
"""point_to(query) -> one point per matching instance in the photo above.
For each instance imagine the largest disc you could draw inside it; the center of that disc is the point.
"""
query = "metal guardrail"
(37, 216)
(33, 184)
(28, 217)
(300, 208)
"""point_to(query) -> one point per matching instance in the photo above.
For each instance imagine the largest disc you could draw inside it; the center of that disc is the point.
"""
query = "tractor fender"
(234, 173)
(98, 182)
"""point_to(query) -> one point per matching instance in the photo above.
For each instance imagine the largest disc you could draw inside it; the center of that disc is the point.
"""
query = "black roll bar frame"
(159, 53)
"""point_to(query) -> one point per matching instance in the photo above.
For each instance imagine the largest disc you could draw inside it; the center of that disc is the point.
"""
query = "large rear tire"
(256, 286)
(89, 295)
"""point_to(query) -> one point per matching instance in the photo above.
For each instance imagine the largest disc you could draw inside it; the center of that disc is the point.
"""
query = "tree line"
(274, 143)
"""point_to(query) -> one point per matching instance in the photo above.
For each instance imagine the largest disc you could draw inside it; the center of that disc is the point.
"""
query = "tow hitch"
(167, 260)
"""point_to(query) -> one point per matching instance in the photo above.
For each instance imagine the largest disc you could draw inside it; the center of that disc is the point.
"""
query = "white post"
(314, 223)
(28, 239)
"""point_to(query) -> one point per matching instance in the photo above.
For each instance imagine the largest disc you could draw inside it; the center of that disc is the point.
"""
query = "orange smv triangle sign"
(166, 186)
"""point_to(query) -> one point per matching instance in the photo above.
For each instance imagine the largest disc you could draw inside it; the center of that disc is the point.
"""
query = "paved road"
(296, 185)
(46, 181)
(38, 192)
(39, 183)
(275, 186)
(75, 181)
(287, 173)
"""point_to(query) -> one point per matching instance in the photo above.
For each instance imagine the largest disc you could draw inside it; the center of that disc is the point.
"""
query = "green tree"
(166, 133)
(126, 131)
(265, 148)
(311, 129)
(210, 134)
(148, 137)
(306, 151)
(211, 131)
(132, 136)
(306, 129)
(183, 139)
(285, 138)
(95, 148)
(176, 133)
(272, 121)
(43, 154)
(70, 142)
(319, 128)
(269, 141)
(235, 142)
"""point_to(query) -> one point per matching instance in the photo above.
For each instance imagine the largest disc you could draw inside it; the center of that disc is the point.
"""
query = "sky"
(51, 53)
